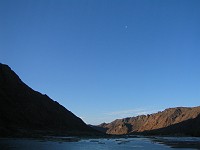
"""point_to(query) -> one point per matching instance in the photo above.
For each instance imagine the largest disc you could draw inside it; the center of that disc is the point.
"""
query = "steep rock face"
(23, 109)
(190, 127)
(155, 121)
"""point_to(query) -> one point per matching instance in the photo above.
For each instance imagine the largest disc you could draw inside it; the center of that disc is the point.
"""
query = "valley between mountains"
(26, 112)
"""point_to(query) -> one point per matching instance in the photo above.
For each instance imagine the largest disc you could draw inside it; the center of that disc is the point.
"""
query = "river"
(69, 143)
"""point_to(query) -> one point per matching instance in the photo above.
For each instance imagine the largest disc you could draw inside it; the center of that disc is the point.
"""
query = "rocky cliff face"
(190, 127)
(159, 120)
(23, 110)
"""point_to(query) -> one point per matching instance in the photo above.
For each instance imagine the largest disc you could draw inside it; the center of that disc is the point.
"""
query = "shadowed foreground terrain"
(24, 111)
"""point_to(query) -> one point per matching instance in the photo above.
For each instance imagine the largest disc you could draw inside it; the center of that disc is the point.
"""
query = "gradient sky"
(105, 59)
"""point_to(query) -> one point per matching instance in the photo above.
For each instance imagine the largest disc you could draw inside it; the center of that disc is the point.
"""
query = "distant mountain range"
(24, 111)
(171, 121)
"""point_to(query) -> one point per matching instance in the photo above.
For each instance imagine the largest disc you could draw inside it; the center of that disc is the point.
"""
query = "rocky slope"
(166, 118)
(190, 127)
(25, 111)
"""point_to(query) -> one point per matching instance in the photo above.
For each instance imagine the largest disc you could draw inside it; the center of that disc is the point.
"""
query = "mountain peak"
(25, 110)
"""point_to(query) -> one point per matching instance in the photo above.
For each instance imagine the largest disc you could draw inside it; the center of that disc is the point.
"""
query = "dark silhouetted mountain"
(171, 117)
(25, 111)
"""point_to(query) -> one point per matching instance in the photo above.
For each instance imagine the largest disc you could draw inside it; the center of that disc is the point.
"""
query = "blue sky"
(105, 59)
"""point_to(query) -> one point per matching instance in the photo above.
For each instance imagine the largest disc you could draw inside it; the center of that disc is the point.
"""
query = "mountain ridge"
(151, 122)
(24, 110)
